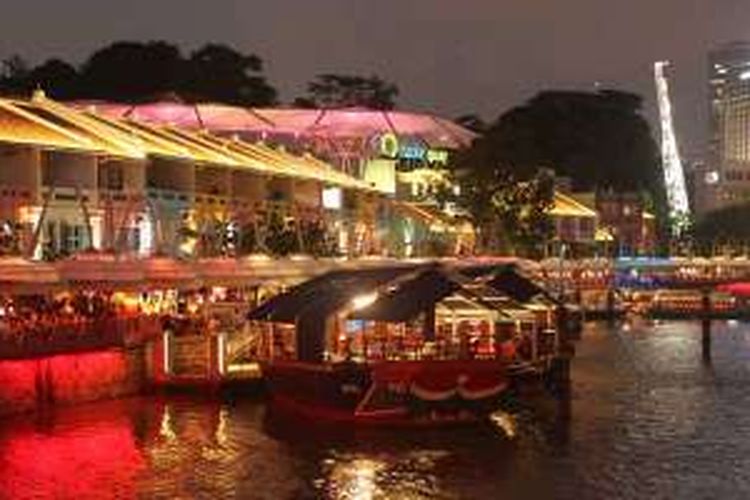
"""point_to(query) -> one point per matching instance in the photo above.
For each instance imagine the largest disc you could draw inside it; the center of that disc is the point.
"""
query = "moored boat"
(392, 393)
(408, 346)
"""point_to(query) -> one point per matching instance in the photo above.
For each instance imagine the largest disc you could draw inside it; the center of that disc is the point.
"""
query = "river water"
(648, 418)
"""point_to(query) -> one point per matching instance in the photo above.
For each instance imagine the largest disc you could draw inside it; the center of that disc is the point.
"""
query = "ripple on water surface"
(649, 418)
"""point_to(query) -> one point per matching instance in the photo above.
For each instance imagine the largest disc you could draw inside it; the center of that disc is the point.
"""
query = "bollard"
(706, 326)
(611, 304)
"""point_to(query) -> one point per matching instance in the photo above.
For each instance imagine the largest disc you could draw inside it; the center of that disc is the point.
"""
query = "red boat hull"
(389, 393)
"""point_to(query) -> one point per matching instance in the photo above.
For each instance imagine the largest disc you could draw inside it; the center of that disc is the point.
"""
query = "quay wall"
(37, 384)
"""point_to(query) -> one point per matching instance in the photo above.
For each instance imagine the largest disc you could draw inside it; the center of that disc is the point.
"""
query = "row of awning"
(120, 272)
(113, 272)
(48, 124)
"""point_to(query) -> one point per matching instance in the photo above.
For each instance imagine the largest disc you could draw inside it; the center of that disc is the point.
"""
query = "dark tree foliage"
(725, 226)
(220, 73)
(473, 122)
(599, 140)
(281, 239)
(347, 91)
(14, 75)
(59, 78)
(143, 71)
(509, 209)
(132, 71)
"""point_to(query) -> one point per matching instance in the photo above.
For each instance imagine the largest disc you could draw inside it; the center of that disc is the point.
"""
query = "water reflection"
(647, 419)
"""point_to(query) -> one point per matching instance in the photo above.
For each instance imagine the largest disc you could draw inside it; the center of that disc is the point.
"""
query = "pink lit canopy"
(436, 132)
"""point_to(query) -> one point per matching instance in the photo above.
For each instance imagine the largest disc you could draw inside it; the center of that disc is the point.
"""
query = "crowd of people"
(37, 320)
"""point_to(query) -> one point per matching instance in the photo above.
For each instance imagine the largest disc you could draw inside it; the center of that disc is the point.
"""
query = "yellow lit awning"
(603, 234)
(102, 137)
(433, 217)
(18, 126)
(567, 206)
(49, 124)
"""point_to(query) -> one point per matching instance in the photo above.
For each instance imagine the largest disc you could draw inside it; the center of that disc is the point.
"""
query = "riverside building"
(402, 155)
(76, 178)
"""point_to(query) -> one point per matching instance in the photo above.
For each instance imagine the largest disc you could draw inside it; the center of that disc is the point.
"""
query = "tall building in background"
(726, 181)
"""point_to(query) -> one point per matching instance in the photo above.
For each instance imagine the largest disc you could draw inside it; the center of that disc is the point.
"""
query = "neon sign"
(390, 146)
(438, 156)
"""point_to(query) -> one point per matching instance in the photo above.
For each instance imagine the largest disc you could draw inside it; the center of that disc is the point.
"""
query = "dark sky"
(449, 56)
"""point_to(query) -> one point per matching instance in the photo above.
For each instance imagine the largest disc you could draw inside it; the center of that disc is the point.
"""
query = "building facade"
(400, 154)
(726, 181)
(73, 180)
(575, 225)
(632, 227)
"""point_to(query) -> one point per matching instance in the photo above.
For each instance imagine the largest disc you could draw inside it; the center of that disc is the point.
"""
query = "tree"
(473, 122)
(57, 78)
(724, 226)
(525, 209)
(132, 71)
(510, 210)
(138, 71)
(346, 91)
(220, 73)
(599, 140)
(14, 75)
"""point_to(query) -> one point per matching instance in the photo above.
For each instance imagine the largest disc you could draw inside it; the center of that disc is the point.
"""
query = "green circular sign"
(389, 145)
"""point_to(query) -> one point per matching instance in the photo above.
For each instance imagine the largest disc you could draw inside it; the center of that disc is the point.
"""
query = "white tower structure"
(674, 175)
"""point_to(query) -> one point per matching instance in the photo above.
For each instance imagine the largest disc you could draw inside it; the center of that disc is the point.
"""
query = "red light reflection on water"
(98, 460)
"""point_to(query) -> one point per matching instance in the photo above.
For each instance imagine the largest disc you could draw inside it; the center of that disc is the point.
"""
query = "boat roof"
(408, 298)
(325, 294)
(399, 293)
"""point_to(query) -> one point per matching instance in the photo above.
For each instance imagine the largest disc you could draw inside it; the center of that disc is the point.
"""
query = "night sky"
(453, 57)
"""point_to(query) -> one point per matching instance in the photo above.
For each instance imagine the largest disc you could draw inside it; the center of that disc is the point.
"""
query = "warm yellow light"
(260, 257)
(363, 301)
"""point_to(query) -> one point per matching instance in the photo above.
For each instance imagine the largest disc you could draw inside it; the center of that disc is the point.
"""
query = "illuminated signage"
(388, 145)
(437, 156)
(412, 152)
(391, 147)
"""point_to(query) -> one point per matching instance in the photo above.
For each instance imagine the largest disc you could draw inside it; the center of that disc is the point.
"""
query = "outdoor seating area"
(63, 322)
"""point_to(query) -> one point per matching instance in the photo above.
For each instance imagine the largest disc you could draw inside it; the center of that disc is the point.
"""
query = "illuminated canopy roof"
(567, 206)
(101, 137)
(45, 123)
(436, 132)
(19, 126)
